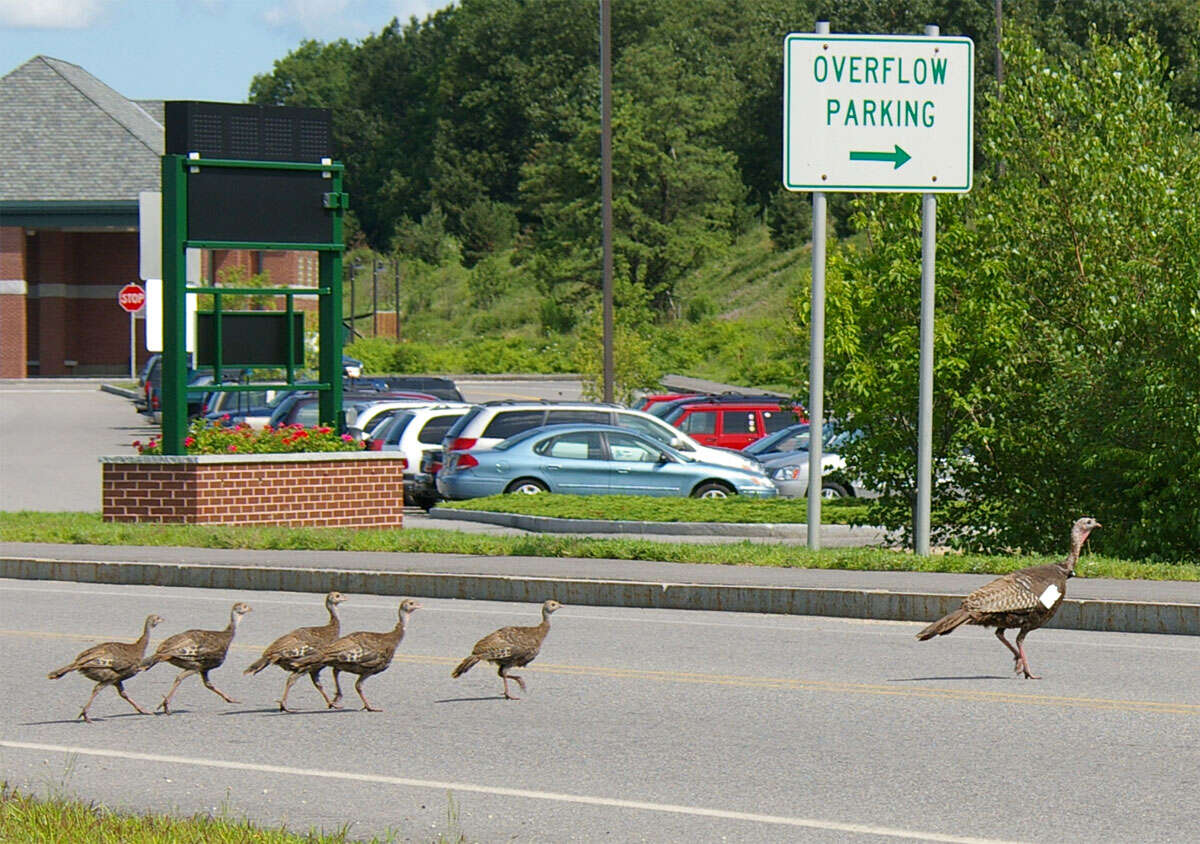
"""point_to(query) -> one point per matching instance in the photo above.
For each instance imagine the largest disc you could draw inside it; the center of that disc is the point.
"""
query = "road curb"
(1111, 616)
(118, 391)
(551, 524)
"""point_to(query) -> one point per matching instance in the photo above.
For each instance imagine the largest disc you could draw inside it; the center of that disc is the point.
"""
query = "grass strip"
(89, 529)
(646, 508)
(58, 820)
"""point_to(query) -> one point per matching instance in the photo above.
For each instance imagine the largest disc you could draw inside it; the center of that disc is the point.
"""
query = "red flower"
(189, 441)
(232, 447)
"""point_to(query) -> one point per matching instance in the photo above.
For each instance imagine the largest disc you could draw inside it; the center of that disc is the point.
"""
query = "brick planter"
(334, 489)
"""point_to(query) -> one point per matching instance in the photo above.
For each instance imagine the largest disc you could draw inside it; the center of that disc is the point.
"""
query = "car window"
(378, 419)
(397, 427)
(458, 427)
(699, 422)
(577, 445)
(777, 420)
(306, 414)
(659, 431)
(739, 422)
(571, 417)
(509, 422)
(436, 428)
(631, 449)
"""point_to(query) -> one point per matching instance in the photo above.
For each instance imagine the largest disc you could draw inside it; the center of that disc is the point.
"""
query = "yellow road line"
(750, 682)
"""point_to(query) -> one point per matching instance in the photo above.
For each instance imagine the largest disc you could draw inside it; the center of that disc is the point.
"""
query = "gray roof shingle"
(68, 136)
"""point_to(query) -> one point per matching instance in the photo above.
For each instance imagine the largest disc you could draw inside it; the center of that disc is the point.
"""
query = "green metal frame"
(175, 169)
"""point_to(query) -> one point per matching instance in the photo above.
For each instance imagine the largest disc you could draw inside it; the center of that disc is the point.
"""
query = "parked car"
(591, 459)
(412, 431)
(485, 425)
(789, 470)
(302, 408)
(150, 404)
(732, 421)
(442, 388)
(656, 403)
(372, 420)
(792, 438)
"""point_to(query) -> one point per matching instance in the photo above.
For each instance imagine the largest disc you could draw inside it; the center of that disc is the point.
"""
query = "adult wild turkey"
(363, 653)
(1024, 599)
(110, 664)
(510, 647)
(197, 652)
(301, 642)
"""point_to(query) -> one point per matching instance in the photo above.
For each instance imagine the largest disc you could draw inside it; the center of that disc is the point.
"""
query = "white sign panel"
(154, 317)
(150, 240)
(877, 113)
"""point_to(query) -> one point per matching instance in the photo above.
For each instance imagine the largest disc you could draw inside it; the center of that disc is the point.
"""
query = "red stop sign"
(132, 297)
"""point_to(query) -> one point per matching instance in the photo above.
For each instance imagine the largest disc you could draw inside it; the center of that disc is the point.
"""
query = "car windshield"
(792, 438)
(396, 430)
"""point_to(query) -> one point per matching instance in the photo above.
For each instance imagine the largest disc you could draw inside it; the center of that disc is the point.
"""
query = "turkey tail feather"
(258, 665)
(944, 625)
(464, 666)
(61, 672)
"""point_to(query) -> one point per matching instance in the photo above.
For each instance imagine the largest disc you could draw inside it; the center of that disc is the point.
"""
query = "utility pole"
(606, 188)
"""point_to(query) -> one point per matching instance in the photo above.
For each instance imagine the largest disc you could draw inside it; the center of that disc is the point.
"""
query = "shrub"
(211, 438)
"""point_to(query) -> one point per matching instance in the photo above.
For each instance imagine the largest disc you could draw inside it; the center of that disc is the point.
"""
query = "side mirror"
(663, 457)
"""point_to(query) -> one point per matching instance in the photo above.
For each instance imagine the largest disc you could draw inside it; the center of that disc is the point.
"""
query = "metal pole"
(606, 188)
(396, 301)
(375, 298)
(353, 273)
(132, 346)
(925, 405)
(816, 359)
(173, 402)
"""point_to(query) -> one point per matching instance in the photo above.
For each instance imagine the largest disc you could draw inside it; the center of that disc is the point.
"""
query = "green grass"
(89, 529)
(50, 821)
(644, 508)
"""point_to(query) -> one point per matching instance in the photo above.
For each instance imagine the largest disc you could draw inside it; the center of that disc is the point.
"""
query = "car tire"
(832, 489)
(424, 503)
(712, 489)
(526, 486)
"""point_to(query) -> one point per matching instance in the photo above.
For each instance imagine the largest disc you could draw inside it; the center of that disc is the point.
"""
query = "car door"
(701, 425)
(573, 463)
(738, 429)
(638, 467)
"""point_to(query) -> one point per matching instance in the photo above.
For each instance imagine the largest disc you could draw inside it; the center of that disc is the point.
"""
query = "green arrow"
(898, 158)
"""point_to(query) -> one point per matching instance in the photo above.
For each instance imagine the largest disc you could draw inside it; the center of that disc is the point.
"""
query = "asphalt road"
(52, 432)
(639, 725)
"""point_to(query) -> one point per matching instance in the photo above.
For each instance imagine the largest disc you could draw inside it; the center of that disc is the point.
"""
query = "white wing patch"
(1050, 596)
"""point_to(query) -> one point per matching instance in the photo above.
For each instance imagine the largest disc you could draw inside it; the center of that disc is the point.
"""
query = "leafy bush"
(211, 438)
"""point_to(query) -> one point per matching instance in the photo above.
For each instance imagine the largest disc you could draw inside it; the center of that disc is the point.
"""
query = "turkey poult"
(364, 654)
(301, 642)
(197, 652)
(111, 664)
(510, 647)
(1024, 599)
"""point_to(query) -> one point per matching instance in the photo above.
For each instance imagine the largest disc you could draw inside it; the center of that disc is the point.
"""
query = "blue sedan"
(591, 460)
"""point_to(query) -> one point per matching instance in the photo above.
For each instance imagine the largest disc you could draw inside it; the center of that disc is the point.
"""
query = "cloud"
(51, 14)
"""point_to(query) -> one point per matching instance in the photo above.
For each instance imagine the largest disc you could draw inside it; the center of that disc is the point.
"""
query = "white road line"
(558, 797)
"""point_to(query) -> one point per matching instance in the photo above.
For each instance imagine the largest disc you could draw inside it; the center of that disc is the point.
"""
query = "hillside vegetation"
(1067, 343)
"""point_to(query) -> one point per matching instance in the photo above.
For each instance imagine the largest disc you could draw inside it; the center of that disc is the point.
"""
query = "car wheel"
(832, 489)
(712, 489)
(526, 486)
(425, 503)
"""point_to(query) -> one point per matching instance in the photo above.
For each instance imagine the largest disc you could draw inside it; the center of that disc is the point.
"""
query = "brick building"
(76, 155)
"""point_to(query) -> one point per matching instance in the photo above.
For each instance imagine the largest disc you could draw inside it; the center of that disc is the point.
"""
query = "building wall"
(13, 288)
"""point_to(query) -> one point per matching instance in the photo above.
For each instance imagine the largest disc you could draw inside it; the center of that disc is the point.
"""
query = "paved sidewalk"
(1092, 604)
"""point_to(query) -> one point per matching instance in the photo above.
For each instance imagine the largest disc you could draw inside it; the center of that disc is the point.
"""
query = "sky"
(185, 49)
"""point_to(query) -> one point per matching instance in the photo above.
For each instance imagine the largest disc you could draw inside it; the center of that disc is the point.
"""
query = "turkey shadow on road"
(469, 699)
(275, 710)
(945, 679)
(78, 720)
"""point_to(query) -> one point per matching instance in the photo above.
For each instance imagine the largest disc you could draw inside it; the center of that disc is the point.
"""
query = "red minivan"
(733, 421)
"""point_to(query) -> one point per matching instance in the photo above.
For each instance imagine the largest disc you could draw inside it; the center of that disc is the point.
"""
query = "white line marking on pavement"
(696, 811)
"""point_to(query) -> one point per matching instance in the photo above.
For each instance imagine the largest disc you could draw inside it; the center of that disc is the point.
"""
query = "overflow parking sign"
(877, 113)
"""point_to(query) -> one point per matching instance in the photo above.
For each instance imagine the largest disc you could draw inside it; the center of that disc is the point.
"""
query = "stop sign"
(132, 297)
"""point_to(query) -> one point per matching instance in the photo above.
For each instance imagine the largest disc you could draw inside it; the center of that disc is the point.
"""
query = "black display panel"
(249, 338)
(248, 132)
(259, 206)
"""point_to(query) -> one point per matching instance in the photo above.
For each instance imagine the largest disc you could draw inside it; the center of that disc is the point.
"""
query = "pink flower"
(347, 438)
(189, 441)
(232, 447)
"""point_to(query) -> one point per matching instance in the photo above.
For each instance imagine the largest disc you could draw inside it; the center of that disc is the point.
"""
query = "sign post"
(132, 299)
(876, 113)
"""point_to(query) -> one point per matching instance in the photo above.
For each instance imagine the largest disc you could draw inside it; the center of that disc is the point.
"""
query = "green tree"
(1067, 342)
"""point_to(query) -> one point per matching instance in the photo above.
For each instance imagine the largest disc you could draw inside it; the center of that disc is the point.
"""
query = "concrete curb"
(1112, 616)
(118, 391)
(549, 524)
